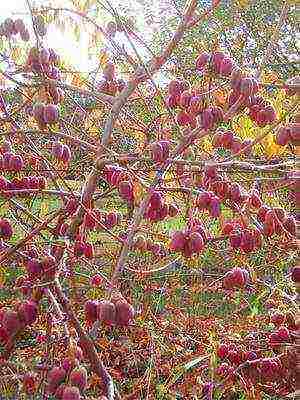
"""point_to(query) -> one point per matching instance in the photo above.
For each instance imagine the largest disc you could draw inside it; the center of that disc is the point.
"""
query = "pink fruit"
(28, 312)
(11, 322)
(222, 351)
(66, 153)
(38, 113)
(78, 377)
(207, 119)
(96, 280)
(55, 376)
(172, 101)
(283, 334)
(124, 313)
(235, 239)
(126, 191)
(183, 118)
(156, 200)
(88, 250)
(5, 229)
(17, 163)
(185, 99)
(203, 200)
(226, 66)
(196, 242)
(90, 311)
(106, 312)
(238, 277)
(202, 60)
(71, 393)
(215, 207)
(50, 114)
(216, 60)
(176, 87)
(295, 274)
(57, 150)
(178, 241)
(277, 319)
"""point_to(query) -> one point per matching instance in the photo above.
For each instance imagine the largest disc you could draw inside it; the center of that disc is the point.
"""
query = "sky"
(75, 52)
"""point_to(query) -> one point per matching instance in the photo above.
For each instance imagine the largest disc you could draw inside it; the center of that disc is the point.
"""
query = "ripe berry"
(11, 322)
(278, 319)
(124, 313)
(178, 241)
(55, 376)
(106, 312)
(71, 393)
(78, 377)
(90, 310)
(28, 312)
(295, 274)
(222, 351)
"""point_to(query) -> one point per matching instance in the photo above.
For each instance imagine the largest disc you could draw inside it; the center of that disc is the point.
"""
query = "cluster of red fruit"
(158, 210)
(10, 162)
(40, 268)
(27, 182)
(216, 63)
(69, 380)
(83, 248)
(9, 28)
(109, 84)
(288, 134)
(13, 322)
(45, 114)
(242, 238)
(209, 201)
(141, 244)
(295, 276)
(227, 140)
(5, 229)
(275, 221)
(261, 112)
(190, 241)
(117, 312)
(119, 178)
(280, 336)
(160, 151)
(237, 278)
(44, 61)
(61, 151)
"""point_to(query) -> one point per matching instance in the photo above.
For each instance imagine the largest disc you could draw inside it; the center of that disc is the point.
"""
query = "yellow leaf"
(44, 208)
(103, 58)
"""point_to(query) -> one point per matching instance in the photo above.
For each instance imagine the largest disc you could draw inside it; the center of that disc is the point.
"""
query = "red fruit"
(109, 71)
(50, 114)
(71, 393)
(66, 153)
(78, 377)
(207, 119)
(91, 311)
(295, 274)
(215, 207)
(228, 227)
(216, 60)
(227, 138)
(247, 243)
(106, 312)
(88, 250)
(236, 78)
(60, 391)
(172, 210)
(295, 132)
(234, 357)
(236, 145)
(19, 25)
(5, 229)
(111, 219)
(183, 118)
(11, 322)
(68, 364)
(172, 101)
(203, 200)
(49, 266)
(140, 243)
(185, 99)
(248, 87)
(71, 206)
(176, 87)
(28, 312)
(38, 113)
(124, 313)
(196, 242)
(226, 66)
(217, 140)
(283, 136)
(283, 334)
(17, 163)
(289, 224)
(96, 280)
(55, 376)
(178, 241)
(235, 192)
(222, 351)
(125, 189)
(238, 277)
(156, 200)
(261, 213)
(202, 60)
(278, 319)
(254, 200)
(235, 239)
